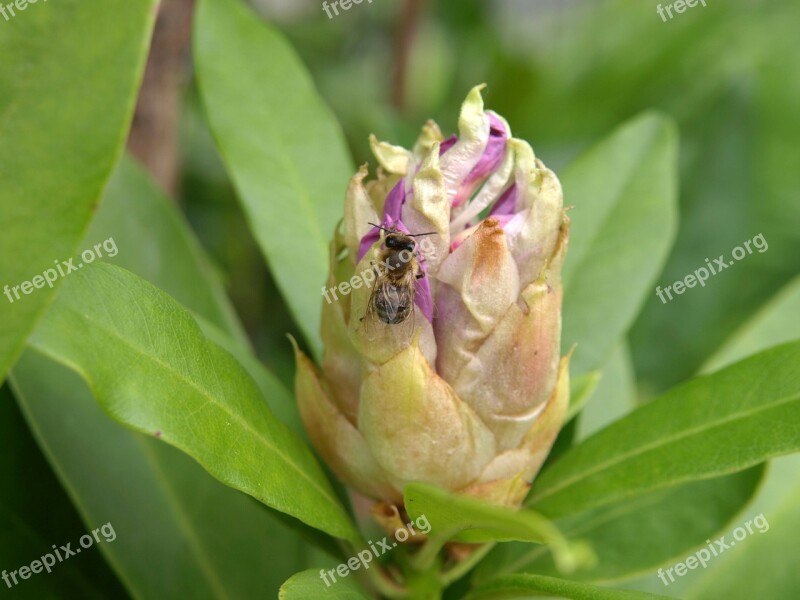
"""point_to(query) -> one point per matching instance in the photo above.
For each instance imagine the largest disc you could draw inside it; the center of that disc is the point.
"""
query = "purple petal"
(394, 202)
(447, 144)
(372, 236)
(506, 203)
(490, 159)
(512, 223)
(392, 207)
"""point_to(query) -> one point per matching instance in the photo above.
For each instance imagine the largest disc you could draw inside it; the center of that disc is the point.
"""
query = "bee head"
(399, 241)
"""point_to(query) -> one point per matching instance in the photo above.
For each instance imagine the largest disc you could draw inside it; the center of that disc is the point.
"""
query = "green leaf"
(581, 390)
(145, 227)
(154, 241)
(149, 366)
(280, 143)
(280, 401)
(180, 533)
(678, 437)
(468, 520)
(35, 513)
(722, 204)
(187, 519)
(624, 191)
(761, 567)
(773, 324)
(67, 90)
(523, 586)
(309, 584)
(615, 395)
(639, 534)
(764, 565)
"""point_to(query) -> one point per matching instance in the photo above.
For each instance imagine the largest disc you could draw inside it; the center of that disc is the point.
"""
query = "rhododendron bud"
(469, 391)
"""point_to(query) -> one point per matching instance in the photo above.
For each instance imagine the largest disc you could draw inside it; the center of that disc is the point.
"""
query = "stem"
(405, 37)
(382, 582)
(422, 583)
(425, 558)
(153, 137)
(460, 569)
(376, 575)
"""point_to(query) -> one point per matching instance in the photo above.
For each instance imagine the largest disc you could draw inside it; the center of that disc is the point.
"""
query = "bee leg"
(421, 274)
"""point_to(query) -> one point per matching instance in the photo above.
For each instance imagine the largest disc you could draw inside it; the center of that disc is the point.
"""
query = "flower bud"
(462, 386)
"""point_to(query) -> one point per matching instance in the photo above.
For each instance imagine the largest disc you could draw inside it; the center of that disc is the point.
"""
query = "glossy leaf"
(180, 533)
(281, 145)
(150, 366)
(523, 586)
(677, 438)
(471, 521)
(309, 584)
(763, 567)
(635, 535)
(152, 484)
(279, 399)
(67, 91)
(623, 224)
(153, 240)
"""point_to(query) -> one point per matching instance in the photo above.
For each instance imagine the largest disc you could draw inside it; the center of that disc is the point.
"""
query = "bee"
(392, 298)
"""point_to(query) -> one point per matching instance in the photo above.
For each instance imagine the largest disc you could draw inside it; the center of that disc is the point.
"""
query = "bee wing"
(373, 326)
(392, 295)
(405, 330)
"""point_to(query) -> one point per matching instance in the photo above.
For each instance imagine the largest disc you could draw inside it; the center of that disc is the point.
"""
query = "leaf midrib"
(623, 457)
(211, 399)
(176, 506)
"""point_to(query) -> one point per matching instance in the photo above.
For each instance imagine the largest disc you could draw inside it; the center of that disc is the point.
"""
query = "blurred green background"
(564, 73)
